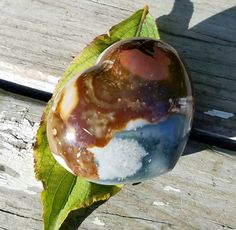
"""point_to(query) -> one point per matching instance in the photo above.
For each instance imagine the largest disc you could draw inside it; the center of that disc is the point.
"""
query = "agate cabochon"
(126, 119)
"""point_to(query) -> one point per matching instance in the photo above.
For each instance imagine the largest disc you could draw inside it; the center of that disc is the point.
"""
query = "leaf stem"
(145, 12)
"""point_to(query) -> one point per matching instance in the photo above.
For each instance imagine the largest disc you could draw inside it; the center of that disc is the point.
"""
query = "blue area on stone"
(164, 142)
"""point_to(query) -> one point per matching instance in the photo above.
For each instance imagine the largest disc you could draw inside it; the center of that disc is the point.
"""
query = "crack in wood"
(22, 216)
(211, 74)
(139, 218)
(19, 138)
(16, 146)
(223, 225)
(3, 228)
(105, 4)
(198, 39)
(32, 123)
(215, 37)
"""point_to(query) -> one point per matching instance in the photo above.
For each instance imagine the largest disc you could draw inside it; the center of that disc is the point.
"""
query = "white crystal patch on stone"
(134, 124)
(119, 159)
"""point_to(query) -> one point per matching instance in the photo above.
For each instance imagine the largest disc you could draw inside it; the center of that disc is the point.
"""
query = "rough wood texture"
(37, 42)
(198, 194)
(39, 38)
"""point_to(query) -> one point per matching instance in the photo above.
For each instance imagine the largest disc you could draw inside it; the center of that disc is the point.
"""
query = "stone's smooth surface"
(127, 118)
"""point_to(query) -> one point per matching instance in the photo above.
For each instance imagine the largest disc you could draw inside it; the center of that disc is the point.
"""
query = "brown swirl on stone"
(141, 79)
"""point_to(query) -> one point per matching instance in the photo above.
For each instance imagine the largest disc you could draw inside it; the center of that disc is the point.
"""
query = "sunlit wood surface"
(38, 40)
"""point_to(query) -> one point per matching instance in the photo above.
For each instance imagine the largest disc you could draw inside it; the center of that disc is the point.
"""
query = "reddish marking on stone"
(154, 68)
(143, 77)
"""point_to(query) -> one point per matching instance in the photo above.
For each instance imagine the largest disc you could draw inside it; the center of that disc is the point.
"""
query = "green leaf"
(64, 192)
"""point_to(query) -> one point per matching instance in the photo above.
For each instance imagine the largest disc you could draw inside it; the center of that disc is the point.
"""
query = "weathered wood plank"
(39, 38)
(18, 123)
(19, 210)
(198, 194)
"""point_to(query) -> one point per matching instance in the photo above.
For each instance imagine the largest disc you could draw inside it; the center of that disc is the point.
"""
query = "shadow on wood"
(209, 49)
(205, 43)
(76, 217)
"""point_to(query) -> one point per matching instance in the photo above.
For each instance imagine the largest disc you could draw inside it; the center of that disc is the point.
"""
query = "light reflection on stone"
(126, 119)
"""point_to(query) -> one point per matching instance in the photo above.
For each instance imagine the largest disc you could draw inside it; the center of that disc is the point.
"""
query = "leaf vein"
(54, 195)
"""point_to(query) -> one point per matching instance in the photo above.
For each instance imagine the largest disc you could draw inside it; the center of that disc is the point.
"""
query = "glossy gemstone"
(126, 119)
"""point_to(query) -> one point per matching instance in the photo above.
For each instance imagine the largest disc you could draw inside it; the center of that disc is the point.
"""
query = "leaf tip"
(146, 8)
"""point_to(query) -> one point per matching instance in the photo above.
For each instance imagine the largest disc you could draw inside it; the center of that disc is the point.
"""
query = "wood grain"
(198, 194)
(39, 38)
